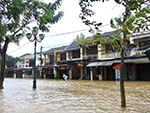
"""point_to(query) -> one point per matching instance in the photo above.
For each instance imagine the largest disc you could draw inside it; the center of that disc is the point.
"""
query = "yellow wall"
(58, 56)
(99, 51)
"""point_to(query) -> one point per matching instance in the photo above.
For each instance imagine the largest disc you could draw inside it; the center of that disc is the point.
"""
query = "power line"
(66, 33)
(19, 47)
(73, 31)
(57, 35)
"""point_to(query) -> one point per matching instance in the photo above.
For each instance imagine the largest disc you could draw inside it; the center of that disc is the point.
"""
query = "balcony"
(23, 65)
(90, 57)
(136, 52)
(110, 55)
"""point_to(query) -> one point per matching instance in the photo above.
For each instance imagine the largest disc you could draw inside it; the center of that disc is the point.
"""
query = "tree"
(11, 61)
(135, 18)
(16, 15)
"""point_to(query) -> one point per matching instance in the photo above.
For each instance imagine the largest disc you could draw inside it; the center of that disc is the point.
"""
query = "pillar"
(99, 51)
(105, 73)
(70, 74)
(81, 53)
(102, 74)
(81, 72)
(91, 72)
(134, 74)
(44, 76)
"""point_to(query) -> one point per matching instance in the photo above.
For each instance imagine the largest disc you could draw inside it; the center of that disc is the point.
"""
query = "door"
(75, 72)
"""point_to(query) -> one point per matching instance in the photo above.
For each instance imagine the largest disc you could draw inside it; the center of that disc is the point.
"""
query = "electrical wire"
(19, 48)
(57, 35)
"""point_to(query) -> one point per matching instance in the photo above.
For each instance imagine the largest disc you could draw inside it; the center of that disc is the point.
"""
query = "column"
(134, 72)
(81, 53)
(99, 51)
(91, 72)
(105, 73)
(81, 72)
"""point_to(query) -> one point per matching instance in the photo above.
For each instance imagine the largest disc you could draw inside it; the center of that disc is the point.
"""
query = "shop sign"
(80, 65)
(62, 68)
(117, 66)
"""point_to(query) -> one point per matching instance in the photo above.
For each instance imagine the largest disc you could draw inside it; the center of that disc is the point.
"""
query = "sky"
(70, 22)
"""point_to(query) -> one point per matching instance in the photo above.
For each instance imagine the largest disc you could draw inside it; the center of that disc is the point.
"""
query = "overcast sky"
(69, 23)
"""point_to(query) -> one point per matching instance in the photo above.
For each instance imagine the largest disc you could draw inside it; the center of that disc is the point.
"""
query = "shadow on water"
(72, 96)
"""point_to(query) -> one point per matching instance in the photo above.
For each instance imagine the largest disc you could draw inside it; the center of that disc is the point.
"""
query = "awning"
(92, 64)
(105, 63)
(137, 60)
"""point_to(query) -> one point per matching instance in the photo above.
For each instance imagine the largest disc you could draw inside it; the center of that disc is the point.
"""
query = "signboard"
(80, 65)
(117, 66)
(62, 68)
(117, 74)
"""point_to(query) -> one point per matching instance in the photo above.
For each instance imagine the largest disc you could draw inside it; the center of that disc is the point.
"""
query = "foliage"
(11, 61)
(87, 12)
(135, 18)
(81, 40)
(16, 15)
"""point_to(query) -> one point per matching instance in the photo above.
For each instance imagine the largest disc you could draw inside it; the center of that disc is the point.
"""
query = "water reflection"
(58, 96)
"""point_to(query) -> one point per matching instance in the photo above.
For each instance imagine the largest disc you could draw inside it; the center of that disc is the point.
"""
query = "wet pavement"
(73, 96)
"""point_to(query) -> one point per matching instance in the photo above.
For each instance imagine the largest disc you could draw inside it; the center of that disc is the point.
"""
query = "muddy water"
(57, 96)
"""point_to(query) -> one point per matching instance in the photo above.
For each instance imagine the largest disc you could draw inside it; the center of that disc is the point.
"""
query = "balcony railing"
(110, 55)
(93, 56)
(136, 52)
(23, 65)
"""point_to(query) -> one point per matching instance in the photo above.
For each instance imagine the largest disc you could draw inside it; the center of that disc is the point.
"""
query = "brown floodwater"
(73, 96)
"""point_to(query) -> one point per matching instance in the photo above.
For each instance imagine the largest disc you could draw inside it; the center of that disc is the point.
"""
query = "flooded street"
(73, 96)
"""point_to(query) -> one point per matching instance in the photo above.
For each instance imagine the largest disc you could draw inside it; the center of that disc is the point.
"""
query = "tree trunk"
(122, 90)
(3, 62)
(2, 73)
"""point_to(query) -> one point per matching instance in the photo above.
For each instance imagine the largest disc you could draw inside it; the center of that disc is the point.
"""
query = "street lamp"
(35, 39)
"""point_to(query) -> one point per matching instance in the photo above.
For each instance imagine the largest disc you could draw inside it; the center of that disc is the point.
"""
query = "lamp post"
(35, 39)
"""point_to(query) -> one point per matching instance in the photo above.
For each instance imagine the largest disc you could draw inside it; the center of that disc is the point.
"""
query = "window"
(51, 59)
(31, 63)
(62, 56)
(92, 50)
(76, 54)
(108, 47)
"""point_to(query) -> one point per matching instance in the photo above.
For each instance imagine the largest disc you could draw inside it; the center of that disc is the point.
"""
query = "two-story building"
(24, 68)
(52, 68)
(95, 63)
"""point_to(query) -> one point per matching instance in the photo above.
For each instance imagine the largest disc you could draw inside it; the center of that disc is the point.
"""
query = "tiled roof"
(25, 54)
(72, 46)
(105, 34)
(111, 33)
(52, 50)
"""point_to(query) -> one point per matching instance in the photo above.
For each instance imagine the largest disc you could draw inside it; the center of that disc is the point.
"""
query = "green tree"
(11, 61)
(16, 15)
(135, 18)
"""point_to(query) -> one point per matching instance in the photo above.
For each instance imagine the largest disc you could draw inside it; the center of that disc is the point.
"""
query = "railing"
(23, 65)
(135, 52)
(110, 55)
(93, 56)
